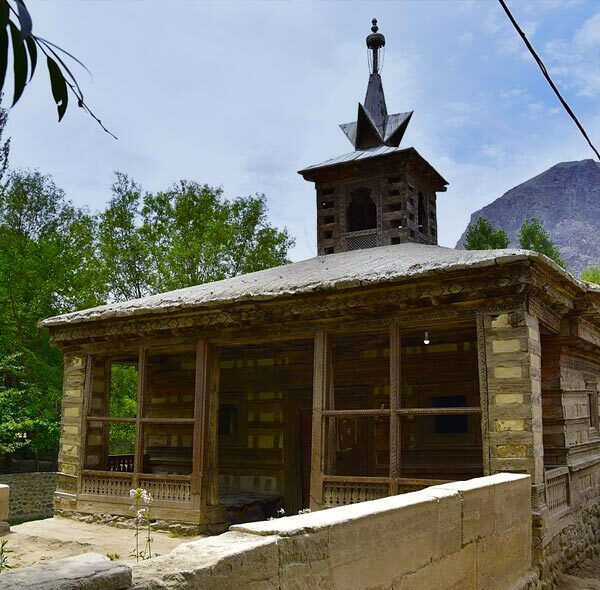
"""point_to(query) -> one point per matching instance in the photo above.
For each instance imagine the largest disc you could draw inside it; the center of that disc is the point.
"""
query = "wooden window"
(592, 391)
(452, 424)
(112, 414)
(362, 211)
(229, 420)
(422, 220)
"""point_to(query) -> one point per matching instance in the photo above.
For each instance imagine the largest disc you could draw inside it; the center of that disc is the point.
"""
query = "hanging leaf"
(32, 55)
(3, 56)
(24, 19)
(19, 62)
(59, 87)
(4, 14)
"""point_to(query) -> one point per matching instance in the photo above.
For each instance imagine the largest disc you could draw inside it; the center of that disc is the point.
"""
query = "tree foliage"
(46, 267)
(591, 274)
(55, 257)
(184, 236)
(533, 236)
(482, 235)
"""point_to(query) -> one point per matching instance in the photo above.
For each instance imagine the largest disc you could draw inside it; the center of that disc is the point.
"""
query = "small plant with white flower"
(141, 501)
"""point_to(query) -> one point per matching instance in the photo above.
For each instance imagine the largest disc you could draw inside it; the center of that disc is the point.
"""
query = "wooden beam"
(210, 424)
(483, 393)
(200, 395)
(138, 461)
(395, 405)
(321, 377)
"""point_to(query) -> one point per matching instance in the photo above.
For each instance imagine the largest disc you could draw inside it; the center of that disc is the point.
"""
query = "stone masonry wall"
(31, 495)
(71, 432)
(513, 358)
(470, 535)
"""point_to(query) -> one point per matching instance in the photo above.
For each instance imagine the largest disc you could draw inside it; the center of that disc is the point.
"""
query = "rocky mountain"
(566, 199)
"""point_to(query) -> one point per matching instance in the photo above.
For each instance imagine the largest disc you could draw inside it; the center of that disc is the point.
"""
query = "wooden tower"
(381, 193)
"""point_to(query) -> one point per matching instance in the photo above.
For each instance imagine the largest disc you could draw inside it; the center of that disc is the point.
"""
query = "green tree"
(481, 235)
(46, 267)
(591, 274)
(122, 247)
(533, 236)
(187, 235)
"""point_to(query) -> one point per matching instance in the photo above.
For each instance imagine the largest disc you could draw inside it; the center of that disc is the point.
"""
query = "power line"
(542, 67)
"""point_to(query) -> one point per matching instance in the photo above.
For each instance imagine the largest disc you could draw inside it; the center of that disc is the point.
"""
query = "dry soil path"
(40, 540)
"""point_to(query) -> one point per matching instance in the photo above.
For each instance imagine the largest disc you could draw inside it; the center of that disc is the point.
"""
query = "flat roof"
(333, 272)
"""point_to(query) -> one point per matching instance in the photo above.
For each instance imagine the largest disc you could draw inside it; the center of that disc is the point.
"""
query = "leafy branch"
(16, 30)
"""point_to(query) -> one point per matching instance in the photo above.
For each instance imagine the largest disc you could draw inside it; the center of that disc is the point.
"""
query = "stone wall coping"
(323, 519)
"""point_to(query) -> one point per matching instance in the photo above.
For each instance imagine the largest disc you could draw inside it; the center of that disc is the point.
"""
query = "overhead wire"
(546, 74)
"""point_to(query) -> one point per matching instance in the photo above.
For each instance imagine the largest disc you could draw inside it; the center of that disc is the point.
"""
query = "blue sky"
(243, 94)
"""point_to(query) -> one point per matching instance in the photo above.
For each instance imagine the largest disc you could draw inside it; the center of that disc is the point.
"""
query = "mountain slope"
(566, 199)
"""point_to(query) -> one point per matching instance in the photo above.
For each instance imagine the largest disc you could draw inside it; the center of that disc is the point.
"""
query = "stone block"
(455, 571)
(4, 501)
(515, 372)
(89, 571)
(502, 425)
(518, 451)
(502, 346)
(504, 557)
(477, 496)
(505, 399)
(304, 562)
(368, 552)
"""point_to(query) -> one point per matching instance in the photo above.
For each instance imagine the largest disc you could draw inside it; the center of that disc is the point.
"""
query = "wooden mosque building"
(381, 366)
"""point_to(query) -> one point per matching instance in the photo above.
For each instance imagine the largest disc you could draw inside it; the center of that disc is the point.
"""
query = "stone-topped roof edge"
(334, 272)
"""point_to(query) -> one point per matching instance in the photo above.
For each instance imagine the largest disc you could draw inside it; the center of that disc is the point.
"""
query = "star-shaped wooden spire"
(373, 126)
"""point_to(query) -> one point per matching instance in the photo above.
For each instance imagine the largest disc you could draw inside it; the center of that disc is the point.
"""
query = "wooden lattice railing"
(106, 484)
(167, 488)
(557, 489)
(338, 493)
(117, 484)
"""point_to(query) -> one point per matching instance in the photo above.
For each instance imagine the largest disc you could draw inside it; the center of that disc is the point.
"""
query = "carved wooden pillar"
(395, 400)
(138, 459)
(321, 394)
(205, 477)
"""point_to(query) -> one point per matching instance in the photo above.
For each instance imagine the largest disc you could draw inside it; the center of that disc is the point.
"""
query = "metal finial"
(375, 42)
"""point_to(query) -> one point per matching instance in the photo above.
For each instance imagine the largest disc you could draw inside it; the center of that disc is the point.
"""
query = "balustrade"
(106, 485)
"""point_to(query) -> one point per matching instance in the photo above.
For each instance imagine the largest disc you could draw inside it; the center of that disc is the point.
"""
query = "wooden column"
(395, 401)
(138, 459)
(206, 429)
(321, 386)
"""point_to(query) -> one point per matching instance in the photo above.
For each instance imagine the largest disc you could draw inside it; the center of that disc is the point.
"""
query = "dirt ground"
(584, 577)
(53, 538)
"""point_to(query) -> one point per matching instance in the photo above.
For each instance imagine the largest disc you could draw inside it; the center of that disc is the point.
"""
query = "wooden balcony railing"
(106, 483)
(340, 490)
(557, 489)
(166, 489)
